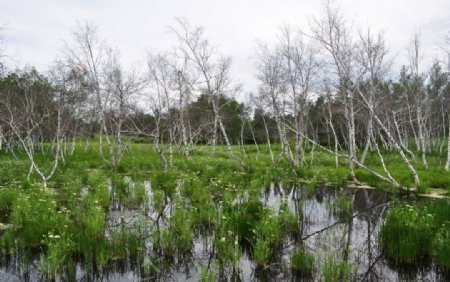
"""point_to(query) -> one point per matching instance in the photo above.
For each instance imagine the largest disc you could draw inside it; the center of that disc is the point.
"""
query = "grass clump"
(57, 256)
(406, 235)
(35, 215)
(441, 247)
(7, 197)
(334, 270)
(342, 207)
(245, 218)
(302, 263)
(228, 251)
(262, 253)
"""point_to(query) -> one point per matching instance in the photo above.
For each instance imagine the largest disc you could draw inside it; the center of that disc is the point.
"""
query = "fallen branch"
(394, 183)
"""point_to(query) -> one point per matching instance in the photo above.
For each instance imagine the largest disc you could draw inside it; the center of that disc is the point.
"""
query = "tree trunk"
(447, 164)
(400, 140)
(421, 136)
(395, 144)
(368, 139)
(214, 137)
(224, 133)
(349, 114)
(268, 137)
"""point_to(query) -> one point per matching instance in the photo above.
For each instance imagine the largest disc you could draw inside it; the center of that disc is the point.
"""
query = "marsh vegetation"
(209, 219)
(334, 169)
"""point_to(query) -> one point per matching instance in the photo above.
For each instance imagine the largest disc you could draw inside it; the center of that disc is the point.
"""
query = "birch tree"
(87, 52)
(447, 55)
(301, 68)
(214, 70)
(333, 33)
(110, 87)
(121, 87)
(271, 74)
(418, 94)
(159, 82)
(182, 82)
(371, 56)
(26, 109)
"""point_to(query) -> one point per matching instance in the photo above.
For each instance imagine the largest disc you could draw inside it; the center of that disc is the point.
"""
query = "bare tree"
(25, 115)
(333, 34)
(447, 53)
(371, 56)
(159, 80)
(329, 121)
(271, 74)
(70, 84)
(214, 70)
(121, 87)
(301, 68)
(182, 82)
(111, 89)
(259, 103)
(87, 52)
(418, 94)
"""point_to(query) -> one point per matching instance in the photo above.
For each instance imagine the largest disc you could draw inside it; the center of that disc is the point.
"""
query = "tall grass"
(302, 262)
(412, 234)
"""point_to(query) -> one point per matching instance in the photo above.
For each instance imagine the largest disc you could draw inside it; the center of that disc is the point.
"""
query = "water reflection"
(339, 223)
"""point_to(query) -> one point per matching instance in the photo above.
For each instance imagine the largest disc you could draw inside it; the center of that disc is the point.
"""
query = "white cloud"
(35, 29)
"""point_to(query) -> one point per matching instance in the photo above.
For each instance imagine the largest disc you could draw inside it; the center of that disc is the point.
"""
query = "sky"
(35, 30)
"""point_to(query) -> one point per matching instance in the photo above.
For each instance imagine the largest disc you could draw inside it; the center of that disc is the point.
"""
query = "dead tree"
(301, 68)
(333, 34)
(418, 94)
(447, 54)
(271, 74)
(110, 87)
(214, 70)
(25, 121)
(121, 88)
(159, 75)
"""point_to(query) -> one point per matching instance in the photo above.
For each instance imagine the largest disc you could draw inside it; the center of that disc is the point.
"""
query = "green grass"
(341, 207)
(441, 247)
(334, 270)
(302, 263)
(412, 234)
(207, 196)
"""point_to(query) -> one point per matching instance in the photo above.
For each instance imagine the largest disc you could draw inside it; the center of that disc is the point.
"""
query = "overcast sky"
(35, 30)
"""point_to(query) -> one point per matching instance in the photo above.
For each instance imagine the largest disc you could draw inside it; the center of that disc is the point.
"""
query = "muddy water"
(325, 232)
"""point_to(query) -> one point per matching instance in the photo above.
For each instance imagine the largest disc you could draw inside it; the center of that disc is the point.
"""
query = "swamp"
(328, 161)
(209, 220)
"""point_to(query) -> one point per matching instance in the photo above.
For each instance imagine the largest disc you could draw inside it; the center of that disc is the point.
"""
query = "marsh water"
(325, 231)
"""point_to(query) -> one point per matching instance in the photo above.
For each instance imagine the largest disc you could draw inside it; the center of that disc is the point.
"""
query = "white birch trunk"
(447, 164)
